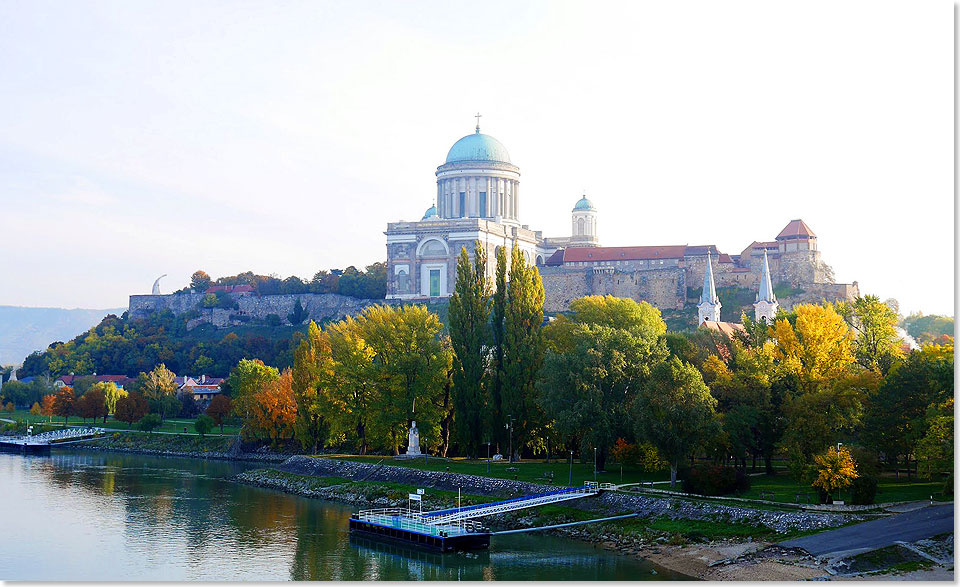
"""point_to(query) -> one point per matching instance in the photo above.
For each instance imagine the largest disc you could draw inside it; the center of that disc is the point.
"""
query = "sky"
(147, 138)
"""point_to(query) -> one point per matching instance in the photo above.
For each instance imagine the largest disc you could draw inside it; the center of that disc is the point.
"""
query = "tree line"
(369, 283)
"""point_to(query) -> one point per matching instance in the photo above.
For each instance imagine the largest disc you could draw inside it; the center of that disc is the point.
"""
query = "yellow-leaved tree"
(836, 470)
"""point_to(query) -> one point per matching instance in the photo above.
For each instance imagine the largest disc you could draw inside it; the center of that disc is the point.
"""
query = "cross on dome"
(477, 116)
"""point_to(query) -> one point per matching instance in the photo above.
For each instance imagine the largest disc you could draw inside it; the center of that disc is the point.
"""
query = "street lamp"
(510, 428)
(570, 481)
(594, 464)
(488, 457)
(548, 450)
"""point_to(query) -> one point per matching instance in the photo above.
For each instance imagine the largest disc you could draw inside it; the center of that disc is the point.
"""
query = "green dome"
(583, 204)
(478, 147)
(430, 213)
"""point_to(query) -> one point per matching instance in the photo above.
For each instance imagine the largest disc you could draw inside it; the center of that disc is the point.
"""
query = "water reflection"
(98, 517)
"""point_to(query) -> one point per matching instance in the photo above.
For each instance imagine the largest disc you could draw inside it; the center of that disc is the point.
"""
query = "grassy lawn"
(784, 488)
(526, 470)
(170, 425)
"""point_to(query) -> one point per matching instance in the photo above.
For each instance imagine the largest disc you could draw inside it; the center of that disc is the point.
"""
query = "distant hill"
(24, 330)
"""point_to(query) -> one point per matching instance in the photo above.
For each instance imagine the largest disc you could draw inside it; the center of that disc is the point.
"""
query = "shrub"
(204, 424)
(10, 407)
(863, 490)
(714, 480)
(273, 320)
(149, 423)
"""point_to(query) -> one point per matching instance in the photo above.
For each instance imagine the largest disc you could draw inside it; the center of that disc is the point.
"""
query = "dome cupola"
(478, 147)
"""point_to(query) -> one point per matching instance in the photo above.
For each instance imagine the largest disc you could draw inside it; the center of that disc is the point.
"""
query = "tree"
(410, 364)
(312, 374)
(188, 405)
(877, 345)
(523, 348)
(498, 312)
(298, 315)
(160, 385)
(47, 406)
(351, 392)
(640, 319)
(35, 409)
(203, 425)
(468, 314)
(92, 405)
(131, 408)
(837, 470)
(588, 390)
(935, 449)
(111, 393)
(675, 412)
(63, 403)
(149, 423)
(815, 346)
(219, 408)
(246, 380)
(200, 281)
(274, 410)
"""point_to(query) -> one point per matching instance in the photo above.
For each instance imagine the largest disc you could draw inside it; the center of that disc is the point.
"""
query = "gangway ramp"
(454, 515)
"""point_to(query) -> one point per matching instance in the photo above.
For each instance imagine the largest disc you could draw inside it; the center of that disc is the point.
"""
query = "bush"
(715, 480)
(273, 320)
(204, 424)
(863, 490)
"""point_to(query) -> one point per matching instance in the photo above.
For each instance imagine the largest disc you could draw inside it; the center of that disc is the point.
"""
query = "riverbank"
(173, 445)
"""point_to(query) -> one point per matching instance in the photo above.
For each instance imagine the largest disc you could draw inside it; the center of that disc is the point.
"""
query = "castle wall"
(320, 307)
(816, 293)
(663, 288)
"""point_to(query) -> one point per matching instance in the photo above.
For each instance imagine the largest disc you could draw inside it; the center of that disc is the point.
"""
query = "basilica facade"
(478, 199)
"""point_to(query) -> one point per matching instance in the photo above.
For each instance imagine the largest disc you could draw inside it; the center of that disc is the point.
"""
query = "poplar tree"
(522, 348)
(312, 367)
(495, 385)
(469, 311)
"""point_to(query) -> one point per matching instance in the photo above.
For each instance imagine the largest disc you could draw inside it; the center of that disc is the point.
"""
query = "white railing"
(454, 515)
(62, 434)
(407, 519)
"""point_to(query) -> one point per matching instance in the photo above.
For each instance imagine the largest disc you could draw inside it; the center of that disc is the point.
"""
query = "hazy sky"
(142, 138)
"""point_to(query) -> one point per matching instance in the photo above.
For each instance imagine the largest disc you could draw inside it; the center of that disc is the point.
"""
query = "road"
(867, 536)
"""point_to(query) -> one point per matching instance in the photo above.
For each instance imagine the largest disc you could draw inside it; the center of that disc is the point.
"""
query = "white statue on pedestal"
(413, 446)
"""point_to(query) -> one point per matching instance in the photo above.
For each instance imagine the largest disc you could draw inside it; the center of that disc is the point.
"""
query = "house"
(68, 380)
(204, 388)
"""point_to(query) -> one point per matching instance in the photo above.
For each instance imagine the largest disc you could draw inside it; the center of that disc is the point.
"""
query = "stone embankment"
(170, 445)
(609, 503)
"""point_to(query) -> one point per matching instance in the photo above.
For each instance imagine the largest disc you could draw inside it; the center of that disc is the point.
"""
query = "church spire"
(765, 308)
(709, 307)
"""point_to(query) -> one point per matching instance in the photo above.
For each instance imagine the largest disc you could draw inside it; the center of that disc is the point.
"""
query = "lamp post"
(548, 450)
(488, 457)
(594, 464)
(570, 481)
(510, 428)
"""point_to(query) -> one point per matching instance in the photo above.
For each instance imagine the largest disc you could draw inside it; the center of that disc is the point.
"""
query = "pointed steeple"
(766, 305)
(709, 306)
(766, 287)
(709, 294)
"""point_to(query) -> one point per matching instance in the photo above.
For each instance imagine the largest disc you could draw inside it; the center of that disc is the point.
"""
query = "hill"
(25, 330)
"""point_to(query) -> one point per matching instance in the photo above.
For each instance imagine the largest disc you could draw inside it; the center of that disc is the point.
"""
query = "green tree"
(160, 384)
(200, 281)
(588, 390)
(352, 393)
(204, 424)
(468, 316)
(498, 312)
(149, 423)
(877, 345)
(523, 348)
(935, 448)
(675, 412)
(410, 367)
(111, 394)
(298, 315)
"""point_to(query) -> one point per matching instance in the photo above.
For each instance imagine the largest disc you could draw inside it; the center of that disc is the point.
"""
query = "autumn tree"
(92, 405)
(111, 394)
(246, 380)
(312, 374)
(131, 408)
(836, 470)
(47, 406)
(35, 409)
(219, 409)
(523, 349)
(815, 346)
(274, 411)
(63, 403)
(468, 316)
(351, 394)
(160, 385)
(675, 412)
(638, 318)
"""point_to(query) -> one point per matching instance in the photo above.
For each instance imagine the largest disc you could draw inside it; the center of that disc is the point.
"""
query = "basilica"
(478, 199)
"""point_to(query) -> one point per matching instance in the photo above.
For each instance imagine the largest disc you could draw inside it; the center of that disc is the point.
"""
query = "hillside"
(24, 330)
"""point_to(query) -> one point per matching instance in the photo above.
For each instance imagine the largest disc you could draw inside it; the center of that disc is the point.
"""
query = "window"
(463, 204)
(433, 248)
(402, 281)
(434, 283)
(483, 204)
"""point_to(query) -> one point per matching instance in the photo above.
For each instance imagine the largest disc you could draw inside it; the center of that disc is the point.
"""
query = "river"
(86, 516)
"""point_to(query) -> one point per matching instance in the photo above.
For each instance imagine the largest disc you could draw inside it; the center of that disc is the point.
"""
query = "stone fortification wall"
(663, 288)
(319, 307)
(816, 293)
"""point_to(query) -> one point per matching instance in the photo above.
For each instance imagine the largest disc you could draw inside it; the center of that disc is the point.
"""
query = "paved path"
(867, 536)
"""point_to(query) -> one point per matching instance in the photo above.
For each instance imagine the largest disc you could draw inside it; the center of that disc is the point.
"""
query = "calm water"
(99, 517)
